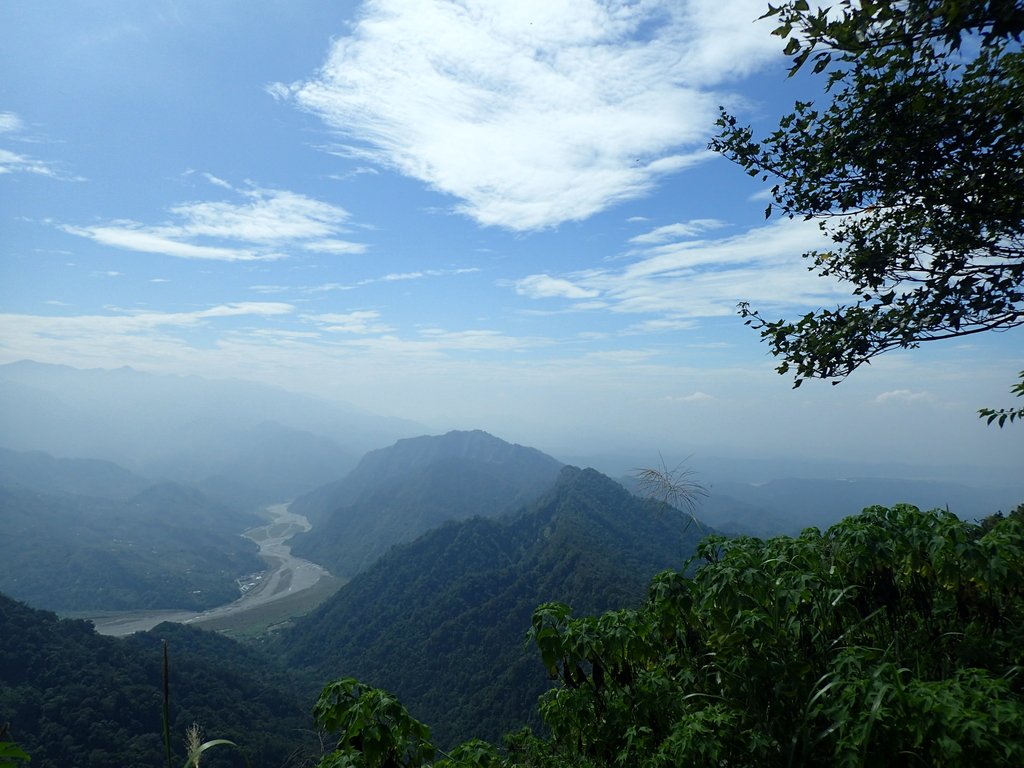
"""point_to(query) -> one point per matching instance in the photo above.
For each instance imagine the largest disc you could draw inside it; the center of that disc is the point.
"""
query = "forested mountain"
(40, 471)
(167, 546)
(893, 638)
(441, 621)
(268, 443)
(397, 493)
(75, 698)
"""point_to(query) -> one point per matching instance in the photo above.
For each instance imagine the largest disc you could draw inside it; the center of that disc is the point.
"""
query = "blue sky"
(472, 214)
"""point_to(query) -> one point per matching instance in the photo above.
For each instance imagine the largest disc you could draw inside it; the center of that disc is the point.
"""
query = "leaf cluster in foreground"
(893, 637)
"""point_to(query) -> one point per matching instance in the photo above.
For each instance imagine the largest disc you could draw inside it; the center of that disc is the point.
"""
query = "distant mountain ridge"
(397, 493)
(441, 621)
(788, 505)
(267, 442)
(40, 471)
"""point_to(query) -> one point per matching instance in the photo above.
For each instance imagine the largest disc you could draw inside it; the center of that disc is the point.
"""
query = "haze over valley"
(125, 495)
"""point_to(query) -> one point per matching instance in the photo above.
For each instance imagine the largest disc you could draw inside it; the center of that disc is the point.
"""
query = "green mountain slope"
(166, 547)
(397, 493)
(74, 698)
(441, 621)
(87, 477)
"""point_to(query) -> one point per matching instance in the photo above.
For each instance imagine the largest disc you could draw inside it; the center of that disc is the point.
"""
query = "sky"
(474, 214)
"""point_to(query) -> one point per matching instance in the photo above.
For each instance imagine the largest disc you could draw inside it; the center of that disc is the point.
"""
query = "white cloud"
(112, 325)
(256, 229)
(702, 278)
(547, 287)
(693, 397)
(10, 122)
(661, 325)
(12, 162)
(340, 247)
(904, 396)
(279, 91)
(217, 181)
(673, 231)
(395, 277)
(360, 321)
(474, 340)
(15, 162)
(133, 237)
(269, 216)
(263, 308)
(356, 172)
(535, 112)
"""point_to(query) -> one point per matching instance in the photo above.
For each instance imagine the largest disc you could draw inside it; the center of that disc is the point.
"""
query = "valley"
(291, 585)
(422, 569)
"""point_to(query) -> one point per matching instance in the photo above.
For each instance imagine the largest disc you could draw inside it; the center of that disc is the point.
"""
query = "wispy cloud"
(12, 127)
(660, 325)
(677, 282)
(475, 340)
(362, 170)
(270, 288)
(547, 287)
(904, 396)
(72, 326)
(391, 277)
(12, 162)
(135, 237)
(217, 181)
(359, 322)
(693, 397)
(536, 112)
(334, 246)
(10, 122)
(264, 225)
(675, 231)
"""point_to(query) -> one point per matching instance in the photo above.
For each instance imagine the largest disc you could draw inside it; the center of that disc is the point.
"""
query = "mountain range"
(441, 621)
(121, 490)
(241, 441)
(786, 506)
(397, 493)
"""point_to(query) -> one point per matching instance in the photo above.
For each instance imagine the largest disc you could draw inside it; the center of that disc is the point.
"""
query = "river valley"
(287, 580)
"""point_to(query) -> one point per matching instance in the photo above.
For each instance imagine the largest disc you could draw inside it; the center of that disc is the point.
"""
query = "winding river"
(286, 575)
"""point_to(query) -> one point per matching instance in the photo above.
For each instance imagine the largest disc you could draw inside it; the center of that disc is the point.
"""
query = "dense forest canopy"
(895, 636)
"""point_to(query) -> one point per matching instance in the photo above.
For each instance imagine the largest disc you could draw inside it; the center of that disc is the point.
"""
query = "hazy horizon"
(147, 421)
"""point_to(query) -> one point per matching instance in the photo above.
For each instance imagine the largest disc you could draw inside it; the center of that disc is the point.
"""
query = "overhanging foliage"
(913, 170)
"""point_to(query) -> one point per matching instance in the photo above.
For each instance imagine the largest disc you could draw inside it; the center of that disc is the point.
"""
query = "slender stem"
(167, 709)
